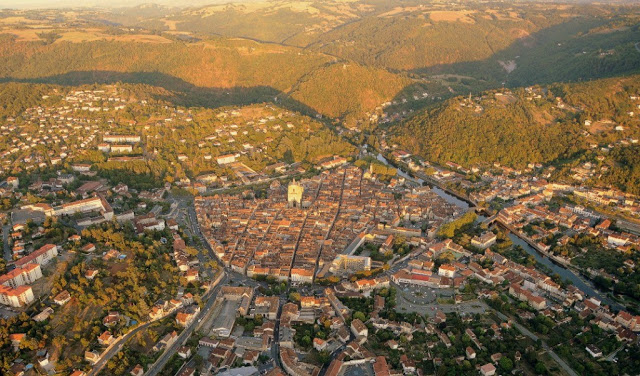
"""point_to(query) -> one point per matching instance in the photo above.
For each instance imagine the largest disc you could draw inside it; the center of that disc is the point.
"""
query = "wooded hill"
(539, 124)
(518, 43)
(211, 73)
(338, 59)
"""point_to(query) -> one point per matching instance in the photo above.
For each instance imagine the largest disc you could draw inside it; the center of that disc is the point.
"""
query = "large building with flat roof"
(16, 297)
(20, 276)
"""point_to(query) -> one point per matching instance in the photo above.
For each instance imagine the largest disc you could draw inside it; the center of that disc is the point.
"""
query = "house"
(62, 298)
(447, 270)
(90, 274)
(184, 352)
(594, 351)
(16, 339)
(111, 319)
(186, 316)
(172, 224)
(358, 328)
(250, 357)
(89, 248)
(187, 371)
(484, 241)
(156, 312)
(91, 357)
(408, 365)
(13, 181)
(78, 373)
(301, 275)
(380, 367)
(319, 344)
(192, 275)
(137, 370)
(226, 159)
(488, 370)
(471, 353)
(393, 345)
(166, 341)
(343, 334)
(105, 339)
(40, 317)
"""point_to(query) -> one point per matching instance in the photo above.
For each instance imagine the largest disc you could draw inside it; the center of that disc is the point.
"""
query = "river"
(437, 190)
(564, 273)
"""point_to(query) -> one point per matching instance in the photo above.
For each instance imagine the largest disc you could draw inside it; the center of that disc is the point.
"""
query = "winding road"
(120, 342)
(546, 347)
(116, 347)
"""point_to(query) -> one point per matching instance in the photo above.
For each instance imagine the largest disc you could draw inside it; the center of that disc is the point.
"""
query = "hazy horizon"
(35, 4)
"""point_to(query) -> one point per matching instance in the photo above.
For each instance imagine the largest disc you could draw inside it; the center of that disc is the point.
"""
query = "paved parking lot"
(6, 313)
(423, 300)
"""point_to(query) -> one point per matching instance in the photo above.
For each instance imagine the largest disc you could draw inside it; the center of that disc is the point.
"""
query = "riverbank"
(441, 190)
(565, 270)
(556, 264)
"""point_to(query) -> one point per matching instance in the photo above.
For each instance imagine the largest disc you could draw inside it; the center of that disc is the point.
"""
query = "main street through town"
(159, 364)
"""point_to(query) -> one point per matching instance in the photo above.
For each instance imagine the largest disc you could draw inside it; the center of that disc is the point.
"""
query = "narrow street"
(6, 232)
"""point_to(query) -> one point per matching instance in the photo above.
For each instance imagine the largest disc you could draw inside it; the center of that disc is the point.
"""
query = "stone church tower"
(294, 194)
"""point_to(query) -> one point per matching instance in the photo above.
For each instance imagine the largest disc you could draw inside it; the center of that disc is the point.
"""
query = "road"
(186, 333)
(546, 347)
(115, 348)
(275, 347)
(6, 232)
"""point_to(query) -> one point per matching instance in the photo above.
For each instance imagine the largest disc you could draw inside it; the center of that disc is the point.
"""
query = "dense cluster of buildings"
(300, 233)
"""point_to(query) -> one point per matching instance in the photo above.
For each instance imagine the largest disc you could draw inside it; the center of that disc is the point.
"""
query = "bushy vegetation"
(625, 173)
(448, 230)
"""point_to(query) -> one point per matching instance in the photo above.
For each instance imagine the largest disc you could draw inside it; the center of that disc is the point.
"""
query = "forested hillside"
(212, 73)
(539, 124)
(625, 173)
(339, 59)
(516, 43)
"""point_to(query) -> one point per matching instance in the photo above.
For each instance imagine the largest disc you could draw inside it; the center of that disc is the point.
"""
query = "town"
(136, 245)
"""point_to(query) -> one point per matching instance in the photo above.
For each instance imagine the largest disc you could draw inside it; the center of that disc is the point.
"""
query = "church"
(294, 194)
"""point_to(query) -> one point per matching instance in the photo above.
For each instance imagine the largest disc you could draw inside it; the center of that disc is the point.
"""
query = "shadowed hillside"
(241, 65)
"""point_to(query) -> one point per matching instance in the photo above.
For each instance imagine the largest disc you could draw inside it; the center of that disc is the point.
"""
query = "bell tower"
(294, 194)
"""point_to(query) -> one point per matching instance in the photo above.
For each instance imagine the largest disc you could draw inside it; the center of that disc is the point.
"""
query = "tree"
(360, 316)
(506, 364)
(324, 357)
(295, 296)
(191, 251)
